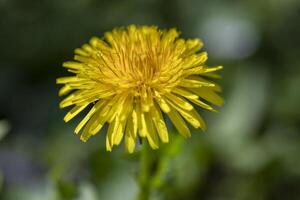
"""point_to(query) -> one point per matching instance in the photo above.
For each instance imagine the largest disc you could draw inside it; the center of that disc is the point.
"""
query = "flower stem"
(154, 168)
(145, 172)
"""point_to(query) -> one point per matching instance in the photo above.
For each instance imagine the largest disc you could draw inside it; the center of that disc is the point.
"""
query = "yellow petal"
(75, 110)
(88, 116)
(179, 101)
(168, 37)
(85, 60)
(201, 70)
(129, 143)
(64, 80)
(101, 119)
(135, 123)
(143, 126)
(193, 45)
(118, 134)
(140, 120)
(151, 132)
(111, 128)
(131, 132)
(85, 96)
(184, 93)
(208, 95)
(89, 49)
(81, 52)
(97, 125)
(212, 69)
(190, 83)
(202, 104)
(131, 125)
(64, 90)
(196, 116)
(99, 44)
(146, 99)
(159, 123)
(189, 116)
(110, 39)
(195, 60)
(216, 87)
(162, 103)
(212, 75)
(108, 145)
(179, 123)
(126, 108)
(73, 65)
(86, 134)
(117, 106)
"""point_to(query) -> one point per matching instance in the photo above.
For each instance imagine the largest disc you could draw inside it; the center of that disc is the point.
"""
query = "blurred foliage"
(250, 151)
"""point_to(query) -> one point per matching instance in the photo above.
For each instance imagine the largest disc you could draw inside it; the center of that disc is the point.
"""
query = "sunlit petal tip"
(83, 139)
(214, 110)
(204, 129)
(63, 104)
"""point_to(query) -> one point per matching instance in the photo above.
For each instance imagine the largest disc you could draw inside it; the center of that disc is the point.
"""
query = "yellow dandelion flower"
(133, 75)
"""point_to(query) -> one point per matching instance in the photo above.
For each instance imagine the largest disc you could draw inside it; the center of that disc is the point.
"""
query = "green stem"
(150, 177)
(145, 172)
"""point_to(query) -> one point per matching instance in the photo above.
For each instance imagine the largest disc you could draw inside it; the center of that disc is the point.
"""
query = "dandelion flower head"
(134, 78)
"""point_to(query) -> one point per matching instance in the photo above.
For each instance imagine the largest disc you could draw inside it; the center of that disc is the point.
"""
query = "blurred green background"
(252, 146)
